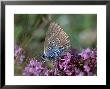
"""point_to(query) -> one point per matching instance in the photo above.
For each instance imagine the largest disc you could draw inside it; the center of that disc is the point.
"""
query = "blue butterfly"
(56, 42)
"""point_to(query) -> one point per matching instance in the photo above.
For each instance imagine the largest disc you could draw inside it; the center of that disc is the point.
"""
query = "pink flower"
(86, 68)
(85, 54)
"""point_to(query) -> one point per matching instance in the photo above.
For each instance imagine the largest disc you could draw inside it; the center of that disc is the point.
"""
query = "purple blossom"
(68, 72)
(72, 63)
(77, 70)
(50, 72)
(17, 50)
(90, 74)
(33, 68)
(18, 55)
(81, 74)
(86, 68)
(86, 53)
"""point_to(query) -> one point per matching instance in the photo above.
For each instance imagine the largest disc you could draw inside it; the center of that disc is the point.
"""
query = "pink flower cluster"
(18, 55)
(72, 63)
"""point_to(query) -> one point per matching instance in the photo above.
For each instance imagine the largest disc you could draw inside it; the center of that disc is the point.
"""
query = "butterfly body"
(56, 42)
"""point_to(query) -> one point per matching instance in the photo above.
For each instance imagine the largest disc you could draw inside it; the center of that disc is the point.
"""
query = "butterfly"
(56, 42)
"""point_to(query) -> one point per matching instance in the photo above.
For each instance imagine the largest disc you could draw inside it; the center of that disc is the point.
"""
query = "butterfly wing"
(53, 30)
(57, 36)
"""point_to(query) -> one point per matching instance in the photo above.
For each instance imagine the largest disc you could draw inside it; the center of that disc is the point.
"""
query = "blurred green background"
(30, 30)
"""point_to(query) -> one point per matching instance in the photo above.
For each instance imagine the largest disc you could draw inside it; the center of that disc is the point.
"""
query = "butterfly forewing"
(53, 31)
